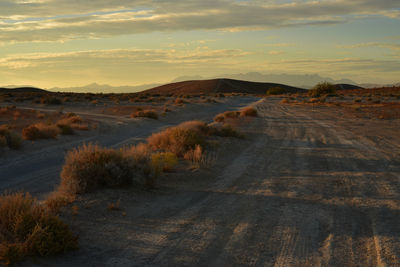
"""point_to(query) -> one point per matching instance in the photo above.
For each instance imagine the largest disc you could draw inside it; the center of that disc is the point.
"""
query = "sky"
(63, 43)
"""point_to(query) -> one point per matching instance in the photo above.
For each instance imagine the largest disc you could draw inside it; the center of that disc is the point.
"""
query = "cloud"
(345, 65)
(120, 57)
(275, 52)
(391, 46)
(51, 20)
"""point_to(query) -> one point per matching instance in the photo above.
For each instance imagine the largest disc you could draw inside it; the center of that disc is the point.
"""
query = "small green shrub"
(164, 161)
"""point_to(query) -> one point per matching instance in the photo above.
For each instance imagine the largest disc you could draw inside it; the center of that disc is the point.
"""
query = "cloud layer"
(61, 20)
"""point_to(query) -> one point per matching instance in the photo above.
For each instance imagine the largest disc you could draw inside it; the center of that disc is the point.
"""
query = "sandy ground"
(36, 167)
(307, 187)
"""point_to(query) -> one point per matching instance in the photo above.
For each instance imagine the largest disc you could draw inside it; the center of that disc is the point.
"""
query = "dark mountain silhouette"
(219, 86)
(22, 90)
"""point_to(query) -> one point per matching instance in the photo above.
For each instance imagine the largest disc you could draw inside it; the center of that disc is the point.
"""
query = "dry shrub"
(198, 126)
(58, 199)
(70, 122)
(180, 101)
(65, 129)
(228, 131)
(28, 229)
(90, 166)
(9, 138)
(226, 115)
(40, 131)
(50, 100)
(151, 114)
(115, 205)
(322, 88)
(140, 154)
(40, 115)
(16, 115)
(231, 114)
(248, 112)
(276, 91)
(31, 133)
(176, 140)
(219, 118)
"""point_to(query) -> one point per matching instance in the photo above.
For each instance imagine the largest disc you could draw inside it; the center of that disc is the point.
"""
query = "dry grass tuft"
(28, 229)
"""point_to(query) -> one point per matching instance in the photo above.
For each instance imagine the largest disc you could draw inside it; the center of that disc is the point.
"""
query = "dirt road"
(307, 188)
(37, 166)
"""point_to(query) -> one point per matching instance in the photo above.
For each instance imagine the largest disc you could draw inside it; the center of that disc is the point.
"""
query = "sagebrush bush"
(31, 132)
(176, 140)
(90, 166)
(40, 131)
(9, 138)
(28, 229)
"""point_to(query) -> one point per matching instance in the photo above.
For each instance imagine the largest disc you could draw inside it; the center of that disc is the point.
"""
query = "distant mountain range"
(104, 88)
(295, 80)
